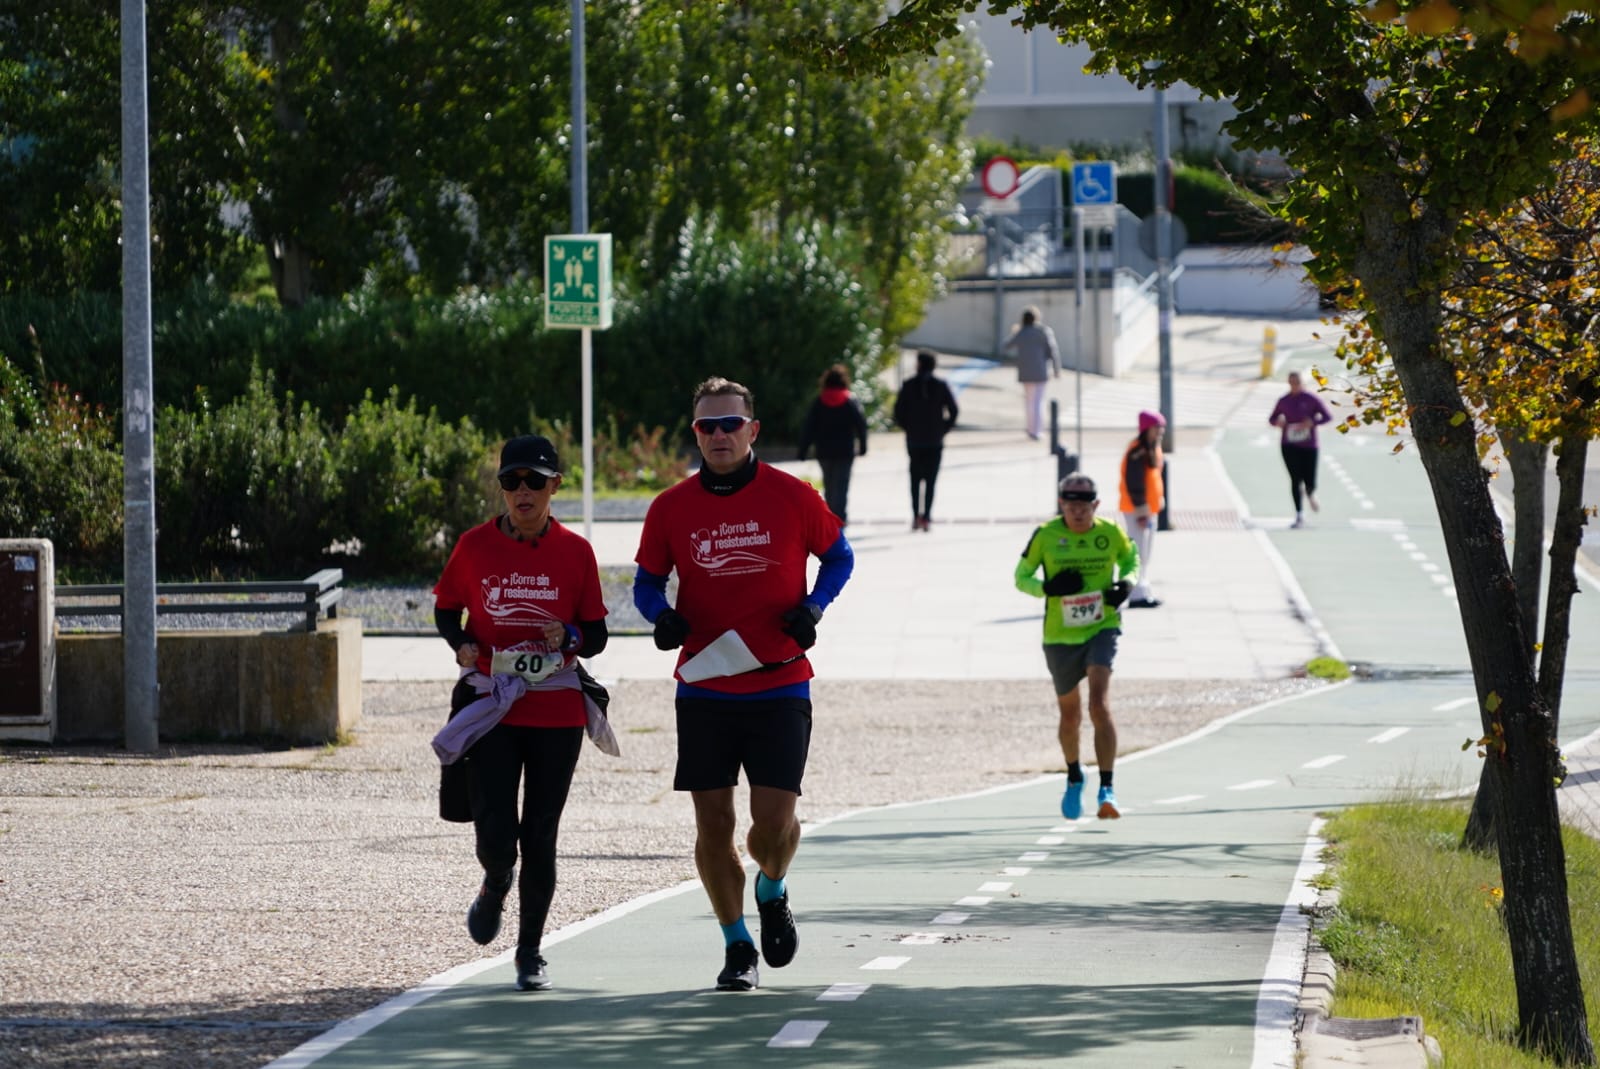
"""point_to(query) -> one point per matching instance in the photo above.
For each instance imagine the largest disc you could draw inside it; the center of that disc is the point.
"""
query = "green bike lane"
(983, 930)
(1373, 561)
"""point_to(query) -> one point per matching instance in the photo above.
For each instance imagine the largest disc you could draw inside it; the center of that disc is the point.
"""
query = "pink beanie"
(1151, 419)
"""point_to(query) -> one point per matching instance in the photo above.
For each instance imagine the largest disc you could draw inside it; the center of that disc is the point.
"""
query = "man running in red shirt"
(739, 533)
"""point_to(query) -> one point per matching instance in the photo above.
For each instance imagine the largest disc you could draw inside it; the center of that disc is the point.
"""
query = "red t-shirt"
(741, 562)
(510, 589)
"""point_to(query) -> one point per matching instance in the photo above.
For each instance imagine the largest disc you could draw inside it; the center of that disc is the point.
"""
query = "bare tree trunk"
(1568, 535)
(1527, 460)
(1523, 758)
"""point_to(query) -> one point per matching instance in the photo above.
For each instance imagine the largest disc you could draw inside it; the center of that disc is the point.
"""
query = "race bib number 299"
(530, 665)
(1081, 610)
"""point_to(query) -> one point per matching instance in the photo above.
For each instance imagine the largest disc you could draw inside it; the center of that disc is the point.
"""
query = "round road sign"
(1000, 177)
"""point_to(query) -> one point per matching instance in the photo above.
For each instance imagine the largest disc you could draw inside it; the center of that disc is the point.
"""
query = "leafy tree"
(1398, 139)
(705, 114)
(1521, 314)
(60, 148)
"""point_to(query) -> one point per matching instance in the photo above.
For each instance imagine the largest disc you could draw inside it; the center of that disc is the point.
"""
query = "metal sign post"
(577, 294)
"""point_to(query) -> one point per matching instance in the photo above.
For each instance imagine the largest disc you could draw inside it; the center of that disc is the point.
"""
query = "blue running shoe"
(1108, 804)
(1072, 801)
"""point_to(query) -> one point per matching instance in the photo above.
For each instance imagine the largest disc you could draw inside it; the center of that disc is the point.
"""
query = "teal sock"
(767, 888)
(736, 933)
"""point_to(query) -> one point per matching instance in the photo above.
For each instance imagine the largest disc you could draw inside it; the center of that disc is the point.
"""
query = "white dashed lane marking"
(972, 900)
(1324, 762)
(1015, 870)
(1179, 799)
(843, 992)
(995, 886)
(922, 939)
(1388, 736)
(1446, 707)
(885, 964)
(1050, 840)
(951, 918)
(1035, 855)
(1252, 785)
(797, 1034)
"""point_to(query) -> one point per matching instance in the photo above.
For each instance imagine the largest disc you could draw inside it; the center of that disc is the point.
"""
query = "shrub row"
(260, 484)
(770, 311)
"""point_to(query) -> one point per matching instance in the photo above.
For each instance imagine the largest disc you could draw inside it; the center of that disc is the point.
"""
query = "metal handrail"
(313, 596)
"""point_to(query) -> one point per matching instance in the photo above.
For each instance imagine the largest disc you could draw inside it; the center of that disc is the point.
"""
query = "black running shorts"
(769, 737)
(1069, 664)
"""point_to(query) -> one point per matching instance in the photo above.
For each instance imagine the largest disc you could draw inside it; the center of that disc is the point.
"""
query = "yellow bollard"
(1269, 351)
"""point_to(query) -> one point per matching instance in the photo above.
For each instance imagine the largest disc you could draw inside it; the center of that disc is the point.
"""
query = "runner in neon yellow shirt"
(1089, 566)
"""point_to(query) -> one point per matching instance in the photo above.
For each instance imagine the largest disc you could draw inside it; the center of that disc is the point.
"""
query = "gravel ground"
(218, 905)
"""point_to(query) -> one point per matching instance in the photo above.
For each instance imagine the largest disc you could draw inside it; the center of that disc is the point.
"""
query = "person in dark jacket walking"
(837, 428)
(926, 410)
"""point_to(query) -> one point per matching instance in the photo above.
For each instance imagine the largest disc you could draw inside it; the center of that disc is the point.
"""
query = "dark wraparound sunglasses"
(535, 480)
(725, 424)
(1077, 495)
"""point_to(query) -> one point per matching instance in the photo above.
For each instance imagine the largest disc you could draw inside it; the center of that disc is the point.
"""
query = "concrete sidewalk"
(941, 605)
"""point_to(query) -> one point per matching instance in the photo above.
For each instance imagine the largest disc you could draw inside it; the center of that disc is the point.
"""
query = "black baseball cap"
(531, 451)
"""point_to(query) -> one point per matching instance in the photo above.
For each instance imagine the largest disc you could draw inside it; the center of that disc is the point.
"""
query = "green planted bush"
(770, 313)
(412, 484)
(60, 473)
(244, 486)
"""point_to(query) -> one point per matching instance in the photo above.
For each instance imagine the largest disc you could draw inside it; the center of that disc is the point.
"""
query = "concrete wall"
(973, 321)
(1245, 280)
(299, 686)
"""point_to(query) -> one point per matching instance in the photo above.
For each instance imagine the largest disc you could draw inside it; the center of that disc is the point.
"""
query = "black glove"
(800, 625)
(1118, 593)
(671, 630)
(1066, 581)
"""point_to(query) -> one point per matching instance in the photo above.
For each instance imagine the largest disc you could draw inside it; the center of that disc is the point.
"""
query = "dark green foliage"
(771, 315)
(411, 484)
(60, 472)
(244, 486)
(1212, 209)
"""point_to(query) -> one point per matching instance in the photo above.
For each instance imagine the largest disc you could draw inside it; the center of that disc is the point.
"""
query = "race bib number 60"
(1080, 610)
(528, 664)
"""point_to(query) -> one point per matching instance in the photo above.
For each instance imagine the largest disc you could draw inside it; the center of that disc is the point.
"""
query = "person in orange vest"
(1143, 494)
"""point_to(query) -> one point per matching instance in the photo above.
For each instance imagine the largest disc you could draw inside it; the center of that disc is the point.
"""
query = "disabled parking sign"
(1094, 182)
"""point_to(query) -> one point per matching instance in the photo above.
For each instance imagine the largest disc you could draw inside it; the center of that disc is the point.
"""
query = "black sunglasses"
(725, 424)
(1077, 495)
(536, 480)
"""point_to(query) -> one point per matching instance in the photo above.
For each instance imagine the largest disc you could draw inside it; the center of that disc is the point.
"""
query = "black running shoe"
(739, 972)
(532, 974)
(483, 918)
(779, 940)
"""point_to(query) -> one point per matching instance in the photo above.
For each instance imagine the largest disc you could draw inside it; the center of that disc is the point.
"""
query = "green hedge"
(1211, 209)
(773, 313)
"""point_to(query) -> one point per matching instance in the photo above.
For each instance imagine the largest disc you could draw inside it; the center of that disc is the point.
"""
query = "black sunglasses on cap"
(1077, 495)
(725, 424)
(536, 480)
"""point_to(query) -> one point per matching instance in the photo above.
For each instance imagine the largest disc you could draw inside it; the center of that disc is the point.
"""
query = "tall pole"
(580, 225)
(140, 684)
(1077, 319)
(1163, 205)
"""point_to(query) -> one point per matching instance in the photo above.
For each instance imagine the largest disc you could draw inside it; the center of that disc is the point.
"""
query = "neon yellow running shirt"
(1102, 555)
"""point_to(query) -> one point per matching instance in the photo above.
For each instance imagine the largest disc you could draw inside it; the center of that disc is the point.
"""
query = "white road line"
(1279, 995)
(1324, 762)
(996, 886)
(951, 918)
(1034, 855)
(1252, 785)
(1442, 580)
(1419, 556)
(1015, 870)
(843, 992)
(885, 964)
(922, 939)
(797, 1034)
(1445, 707)
(1388, 736)
(1429, 566)
(1061, 829)
(1179, 799)
(972, 900)
(1050, 840)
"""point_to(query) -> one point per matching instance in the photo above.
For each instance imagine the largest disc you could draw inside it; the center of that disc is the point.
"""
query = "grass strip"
(1418, 928)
